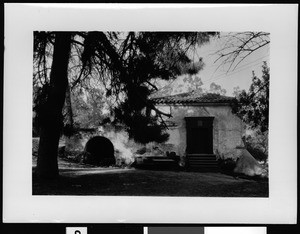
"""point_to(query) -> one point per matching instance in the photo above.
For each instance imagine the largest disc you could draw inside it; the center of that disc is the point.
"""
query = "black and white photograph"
(151, 113)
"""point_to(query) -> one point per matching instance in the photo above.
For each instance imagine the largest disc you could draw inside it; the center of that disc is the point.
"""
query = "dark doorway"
(199, 135)
(99, 150)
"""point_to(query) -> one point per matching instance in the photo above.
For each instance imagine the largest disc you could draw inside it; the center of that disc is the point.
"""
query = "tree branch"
(239, 44)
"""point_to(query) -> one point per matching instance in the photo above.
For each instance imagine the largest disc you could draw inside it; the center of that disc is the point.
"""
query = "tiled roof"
(194, 97)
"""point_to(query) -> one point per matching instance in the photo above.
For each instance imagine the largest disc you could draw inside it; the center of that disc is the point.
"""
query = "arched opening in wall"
(100, 151)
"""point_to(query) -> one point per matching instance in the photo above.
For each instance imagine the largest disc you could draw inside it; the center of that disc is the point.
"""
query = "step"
(202, 162)
(203, 169)
(162, 160)
(214, 157)
(202, 157)
(202, 166)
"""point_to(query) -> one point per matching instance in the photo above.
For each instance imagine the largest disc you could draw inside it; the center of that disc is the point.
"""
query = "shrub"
(227, 165)
(256, 152)
(35, 145)
(256, 143)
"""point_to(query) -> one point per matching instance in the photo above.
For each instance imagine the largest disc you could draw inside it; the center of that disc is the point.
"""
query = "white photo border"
(19, 205)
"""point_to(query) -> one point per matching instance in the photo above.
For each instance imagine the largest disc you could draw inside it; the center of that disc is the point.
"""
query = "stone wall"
(227, 128)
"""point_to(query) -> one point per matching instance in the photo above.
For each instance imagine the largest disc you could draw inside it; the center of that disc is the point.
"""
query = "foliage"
(215, 88)
(124, 62)
(226, 165)
(253, 106)
(236, 91)
(39, 97)
(257, 153)
(257, 144)
(181, 84)
(238, 46)
(115, 71)
(88, 106)
(157, 55)
(185, 84)
(193, 83)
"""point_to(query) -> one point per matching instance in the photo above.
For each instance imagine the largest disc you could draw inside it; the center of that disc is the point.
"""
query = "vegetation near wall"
(253, 108)
(90, 79)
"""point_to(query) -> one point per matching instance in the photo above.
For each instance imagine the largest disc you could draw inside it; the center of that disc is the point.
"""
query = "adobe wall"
(227, 128)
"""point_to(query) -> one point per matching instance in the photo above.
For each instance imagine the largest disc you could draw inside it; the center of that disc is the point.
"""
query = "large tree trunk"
(68, 112)
(51, 122)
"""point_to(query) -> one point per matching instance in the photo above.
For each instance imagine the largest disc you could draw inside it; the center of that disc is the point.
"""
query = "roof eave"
(195, 104)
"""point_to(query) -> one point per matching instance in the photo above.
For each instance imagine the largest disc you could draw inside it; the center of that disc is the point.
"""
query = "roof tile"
(193, 97)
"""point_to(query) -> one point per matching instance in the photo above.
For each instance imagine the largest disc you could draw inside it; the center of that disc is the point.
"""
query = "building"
(202, 127)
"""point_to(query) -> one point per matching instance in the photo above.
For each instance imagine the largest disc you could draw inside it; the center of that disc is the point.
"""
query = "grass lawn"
(83, 180)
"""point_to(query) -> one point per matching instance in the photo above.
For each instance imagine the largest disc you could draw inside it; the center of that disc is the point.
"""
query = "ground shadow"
(138, 182)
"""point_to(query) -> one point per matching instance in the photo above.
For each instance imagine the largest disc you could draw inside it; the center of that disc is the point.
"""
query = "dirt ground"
(79, 179)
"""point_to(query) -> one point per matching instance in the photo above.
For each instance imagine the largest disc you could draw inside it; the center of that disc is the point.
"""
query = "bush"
(257, 153)
(35, 145)
(257, 145)
(227, 165)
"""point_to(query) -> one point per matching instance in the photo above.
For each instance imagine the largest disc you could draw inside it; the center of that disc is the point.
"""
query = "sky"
(241, 76)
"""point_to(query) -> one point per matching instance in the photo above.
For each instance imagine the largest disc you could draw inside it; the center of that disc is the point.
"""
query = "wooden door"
(199, 135)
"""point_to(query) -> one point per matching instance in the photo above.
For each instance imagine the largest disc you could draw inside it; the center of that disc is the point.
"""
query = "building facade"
(202, 126)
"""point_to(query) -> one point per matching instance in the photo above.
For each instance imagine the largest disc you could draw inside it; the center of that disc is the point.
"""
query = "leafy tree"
(253, 106)
(125, 63)
(215, 88)
(193, 83)
(256, 142)
(89, 107)
(181, 84)
(236, 91)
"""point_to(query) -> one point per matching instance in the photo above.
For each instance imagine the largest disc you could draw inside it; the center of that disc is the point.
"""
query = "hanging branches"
(125, 63)
(42, 56)
(238, 46)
